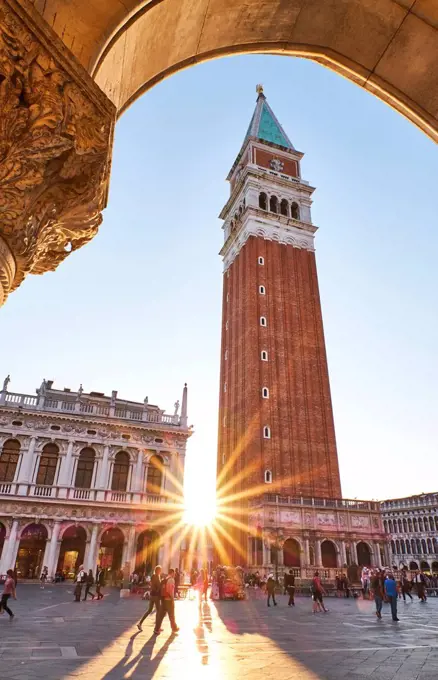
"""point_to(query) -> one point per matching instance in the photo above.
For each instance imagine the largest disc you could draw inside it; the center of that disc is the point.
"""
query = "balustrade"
(87, 407)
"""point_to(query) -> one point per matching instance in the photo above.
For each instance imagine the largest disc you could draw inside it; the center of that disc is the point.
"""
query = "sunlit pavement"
(53, 638)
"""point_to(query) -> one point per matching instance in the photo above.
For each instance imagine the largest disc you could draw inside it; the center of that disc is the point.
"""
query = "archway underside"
(390, 47)
(54, 184)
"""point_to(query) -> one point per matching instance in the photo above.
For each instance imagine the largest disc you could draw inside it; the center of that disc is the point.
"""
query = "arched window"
(393, 547)
(390, 526)
(273, 204)
(261, 261)
(405, 526)
(263, 201)
(268, 477)
(420, 524)
(47, 466)
(267, 432)
(264, 355)
(415, 525)
(430, 523)
(9, 459)
(403, 547)
(295, 211)
(85, 469)
(435, 546)
(155, 475)
(436, 523)
(119, 481)
(263, 321)
(423, 546)
(410, 525)
(284, 207)
(385, 525)
(226, 355)
(418, 542)
(429, 547)
(262, 290)
(265, 393)
(413, 546)
(400, 530)
(397, 546)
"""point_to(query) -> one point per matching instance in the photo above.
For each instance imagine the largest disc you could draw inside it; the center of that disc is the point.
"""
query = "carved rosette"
(56, 129)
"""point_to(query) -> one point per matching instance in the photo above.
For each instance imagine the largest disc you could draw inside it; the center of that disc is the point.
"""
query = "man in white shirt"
(79, 580)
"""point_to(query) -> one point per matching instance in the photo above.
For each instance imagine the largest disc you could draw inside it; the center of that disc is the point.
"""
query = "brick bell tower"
(276, 429)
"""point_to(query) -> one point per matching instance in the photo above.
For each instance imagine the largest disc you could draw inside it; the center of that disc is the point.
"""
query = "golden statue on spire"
(259, 88)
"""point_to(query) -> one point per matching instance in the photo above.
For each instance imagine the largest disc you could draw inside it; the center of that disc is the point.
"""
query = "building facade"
(276, 427)
(411, 524)
(88, 479)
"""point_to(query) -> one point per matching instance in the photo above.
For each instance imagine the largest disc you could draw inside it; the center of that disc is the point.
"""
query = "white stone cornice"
(270, 231)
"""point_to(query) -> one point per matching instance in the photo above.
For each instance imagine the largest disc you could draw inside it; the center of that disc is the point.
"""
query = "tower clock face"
(276, 164)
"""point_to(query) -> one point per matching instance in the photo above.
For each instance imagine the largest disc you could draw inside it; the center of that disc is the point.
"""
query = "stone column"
(343, 554)
(318, 556)
(131, 549)
(353, 552)
(26, 468)
(137, 478)
(10, 549)
(306, 553)
(65, 122)
(90, 558)
(53, 552)
(377, 561)
(65, 473)
(103, 474)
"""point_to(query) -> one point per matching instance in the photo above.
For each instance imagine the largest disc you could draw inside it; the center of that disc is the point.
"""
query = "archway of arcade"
(72, 550)
(388, 47)
(291, 553)
(146, 556)
(31, 551)
(111, 551)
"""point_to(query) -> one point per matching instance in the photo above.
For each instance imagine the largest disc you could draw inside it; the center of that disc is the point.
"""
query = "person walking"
(376, 589)
(270, 588)
(177, 582)
(420, 584)
(317, 593)
(8, 590)
(100, 582)
(289, 582)
(167, 605)
(89, 581)
(79, 580)
(406, 586)
(391, 594)
(43, 576)
(154, 598)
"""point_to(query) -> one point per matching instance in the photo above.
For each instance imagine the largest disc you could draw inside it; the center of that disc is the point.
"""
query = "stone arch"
(148, 544)
(291, 553)
(413, 566)
(72, 550)
(65, 527)
(435, 567)
(424, 566)
(31, 549)
(111, 543)
(328, 554)
(363, 554)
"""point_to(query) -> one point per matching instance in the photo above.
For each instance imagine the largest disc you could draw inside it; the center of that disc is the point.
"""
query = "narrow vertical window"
(264, 355)
(226, 325)
(228, 297)
(265, 393)
(226, 355)
(268, 477)
(225, 387)
(261, 260)
(262, 290)
(267, 432)
(263, 321)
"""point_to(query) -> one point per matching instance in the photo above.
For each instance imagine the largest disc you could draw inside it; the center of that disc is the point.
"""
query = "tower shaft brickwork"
(276, 428)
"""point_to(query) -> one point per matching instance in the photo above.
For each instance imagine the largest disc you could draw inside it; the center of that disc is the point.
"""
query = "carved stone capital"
(56, 130)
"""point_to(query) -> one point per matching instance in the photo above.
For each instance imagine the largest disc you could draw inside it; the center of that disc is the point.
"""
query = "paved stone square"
(53, 638)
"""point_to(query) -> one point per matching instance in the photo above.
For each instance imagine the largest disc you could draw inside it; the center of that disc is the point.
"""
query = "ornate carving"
(55, 138)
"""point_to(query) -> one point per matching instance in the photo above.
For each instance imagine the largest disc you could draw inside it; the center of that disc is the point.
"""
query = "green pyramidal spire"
(265, 126)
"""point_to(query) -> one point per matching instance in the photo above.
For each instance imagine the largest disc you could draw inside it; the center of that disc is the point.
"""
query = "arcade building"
(89, 479)
(278, 480)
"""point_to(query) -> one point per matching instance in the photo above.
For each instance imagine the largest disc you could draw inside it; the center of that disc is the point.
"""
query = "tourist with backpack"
(154, 598)
(167, 603)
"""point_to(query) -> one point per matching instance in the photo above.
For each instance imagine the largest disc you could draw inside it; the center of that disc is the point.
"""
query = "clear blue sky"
(138, 309)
